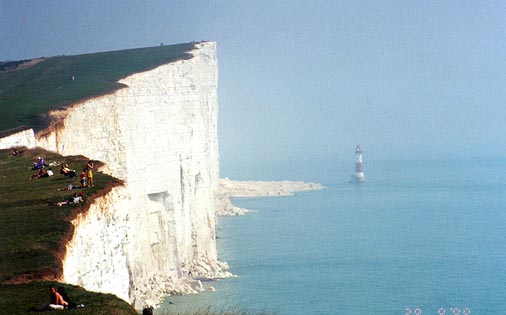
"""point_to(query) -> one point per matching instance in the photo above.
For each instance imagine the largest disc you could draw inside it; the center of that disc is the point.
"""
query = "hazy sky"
(307, 80)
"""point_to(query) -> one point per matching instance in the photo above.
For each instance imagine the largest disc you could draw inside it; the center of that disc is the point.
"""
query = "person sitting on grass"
(64, 295)
(15, 152)
(66, 171)
(39, 174)
(39, 164)
(76, 198)
(56, 301)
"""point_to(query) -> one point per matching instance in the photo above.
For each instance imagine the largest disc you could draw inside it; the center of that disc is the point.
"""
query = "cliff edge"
(158, 133)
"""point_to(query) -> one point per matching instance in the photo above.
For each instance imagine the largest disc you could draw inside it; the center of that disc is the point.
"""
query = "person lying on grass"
(76, 198)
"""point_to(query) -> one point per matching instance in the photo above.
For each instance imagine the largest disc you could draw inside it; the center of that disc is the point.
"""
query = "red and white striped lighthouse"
(359, 168)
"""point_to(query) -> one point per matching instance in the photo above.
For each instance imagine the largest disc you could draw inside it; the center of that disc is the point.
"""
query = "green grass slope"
(17, 299)
(27, 92)
(34, 228)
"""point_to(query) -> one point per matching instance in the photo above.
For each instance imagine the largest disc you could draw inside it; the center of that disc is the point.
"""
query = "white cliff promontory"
(159, 135)
(250, 189)
(23, 138)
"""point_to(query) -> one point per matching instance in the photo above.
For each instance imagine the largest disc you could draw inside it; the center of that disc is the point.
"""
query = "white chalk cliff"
(159, 135)
(24, 138)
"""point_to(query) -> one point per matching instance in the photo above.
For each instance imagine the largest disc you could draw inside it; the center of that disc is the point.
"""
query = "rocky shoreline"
(205, 270)
(250, 189)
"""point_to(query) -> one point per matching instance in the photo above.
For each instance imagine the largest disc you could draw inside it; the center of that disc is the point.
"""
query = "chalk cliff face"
(23, 138)
(159, 135)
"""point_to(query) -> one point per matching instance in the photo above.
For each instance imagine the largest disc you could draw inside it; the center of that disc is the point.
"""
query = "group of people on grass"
(86, 176)
(86, 179)
(39, 166)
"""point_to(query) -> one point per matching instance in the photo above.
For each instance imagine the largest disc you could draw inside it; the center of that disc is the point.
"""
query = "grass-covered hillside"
(28, 298)
(34, 229)
(28, 89)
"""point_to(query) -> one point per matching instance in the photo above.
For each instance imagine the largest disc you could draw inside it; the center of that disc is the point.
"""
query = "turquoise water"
(428, 236)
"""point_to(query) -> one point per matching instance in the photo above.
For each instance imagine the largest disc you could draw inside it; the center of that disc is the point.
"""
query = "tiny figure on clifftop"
(66, 298)
(66, 171)
(39, 174)
(56, 301)
(82, 176)
(39, 164)
(69, 187)
(75, 199)
(89, 173)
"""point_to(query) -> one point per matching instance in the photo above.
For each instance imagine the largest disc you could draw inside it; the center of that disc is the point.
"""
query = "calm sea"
(419, 237)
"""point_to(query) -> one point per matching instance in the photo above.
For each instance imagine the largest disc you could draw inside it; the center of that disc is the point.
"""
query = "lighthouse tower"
(359, 168)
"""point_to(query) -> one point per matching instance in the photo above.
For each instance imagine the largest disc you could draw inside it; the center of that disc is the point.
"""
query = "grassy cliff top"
(27, 298)
(29, 88)
(34, 228)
